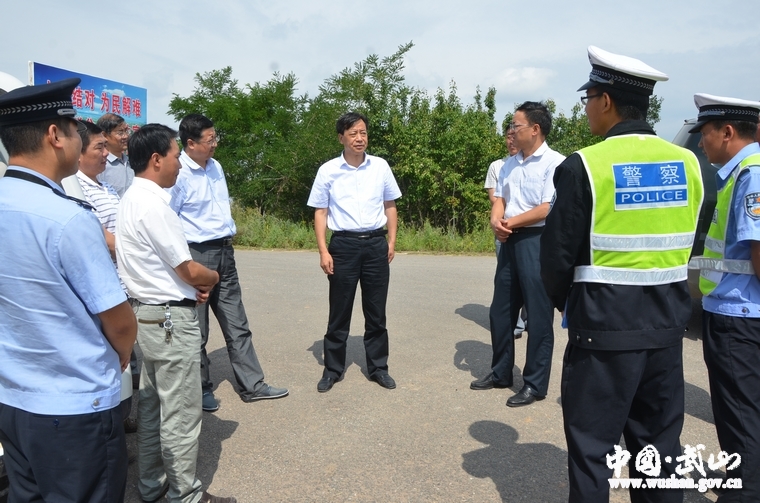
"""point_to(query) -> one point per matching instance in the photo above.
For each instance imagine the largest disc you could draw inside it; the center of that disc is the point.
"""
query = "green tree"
(274, 140)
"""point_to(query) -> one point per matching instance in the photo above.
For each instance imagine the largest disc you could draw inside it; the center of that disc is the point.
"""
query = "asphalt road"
(432, 438)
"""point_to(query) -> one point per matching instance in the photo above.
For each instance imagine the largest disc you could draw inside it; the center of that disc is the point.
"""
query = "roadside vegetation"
(270, 232)
(273, 140)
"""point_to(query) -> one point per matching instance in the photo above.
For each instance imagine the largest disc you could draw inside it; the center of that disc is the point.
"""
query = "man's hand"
(326, 262)
(391, 251)
(500, 229)
(119, 326)
(202, 294)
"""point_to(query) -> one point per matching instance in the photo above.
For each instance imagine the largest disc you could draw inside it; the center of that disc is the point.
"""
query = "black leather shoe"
(487, 383)
(384, 380)
(325, 384)
(526, 396)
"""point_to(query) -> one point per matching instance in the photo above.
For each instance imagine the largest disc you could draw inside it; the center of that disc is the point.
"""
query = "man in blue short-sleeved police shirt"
(66, 329)
(730, 269)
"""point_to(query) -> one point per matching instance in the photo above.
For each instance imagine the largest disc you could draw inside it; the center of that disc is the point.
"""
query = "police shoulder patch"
(752, 205)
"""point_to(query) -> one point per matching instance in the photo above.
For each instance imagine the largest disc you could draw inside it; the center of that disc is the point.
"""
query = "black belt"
(528, 230)
(171, 303)
(218, 242)
(361, 235)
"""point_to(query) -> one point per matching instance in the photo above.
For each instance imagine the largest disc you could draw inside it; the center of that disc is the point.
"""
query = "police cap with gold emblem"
(720, 108)
(621, 72)
(38, 103)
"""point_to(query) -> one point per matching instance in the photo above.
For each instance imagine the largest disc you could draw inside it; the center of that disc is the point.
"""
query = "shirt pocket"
(532, 190)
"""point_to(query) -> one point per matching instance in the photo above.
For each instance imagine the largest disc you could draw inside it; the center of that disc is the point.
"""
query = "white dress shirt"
(492, 177)
(202, 201)
(150, 243)
(354, 197)
(525, 183)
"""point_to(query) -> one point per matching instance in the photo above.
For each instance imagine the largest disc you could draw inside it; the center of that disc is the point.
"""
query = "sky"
(527, 50)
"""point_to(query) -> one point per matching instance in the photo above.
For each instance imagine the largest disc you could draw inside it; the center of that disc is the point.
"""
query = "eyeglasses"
(513, 127)
(211, 142)
(585, 99)
(122, 133)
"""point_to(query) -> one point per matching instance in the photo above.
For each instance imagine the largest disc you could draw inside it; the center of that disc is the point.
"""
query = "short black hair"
(744, 129)
(192, 127)
(91, 129)
(629, 106)
(148, 140)
(537, 113)
(20, 139)
(348, 119)
(109, 122)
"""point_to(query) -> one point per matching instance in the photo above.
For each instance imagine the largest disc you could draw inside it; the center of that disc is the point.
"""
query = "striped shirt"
(103, 198)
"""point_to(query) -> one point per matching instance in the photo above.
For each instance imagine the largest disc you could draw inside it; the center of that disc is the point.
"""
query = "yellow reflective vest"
(646, 194)
(712, 265)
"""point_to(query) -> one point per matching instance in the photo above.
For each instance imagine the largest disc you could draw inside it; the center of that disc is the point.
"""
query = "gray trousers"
(227, 304)
(169, 410)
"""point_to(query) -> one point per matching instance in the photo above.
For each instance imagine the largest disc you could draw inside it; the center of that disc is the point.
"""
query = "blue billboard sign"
(95, 96)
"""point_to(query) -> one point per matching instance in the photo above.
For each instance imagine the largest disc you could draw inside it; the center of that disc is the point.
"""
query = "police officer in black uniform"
(623, 369)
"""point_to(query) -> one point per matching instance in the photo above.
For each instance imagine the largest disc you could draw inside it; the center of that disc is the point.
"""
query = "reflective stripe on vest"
(722, 265)
(646, 195)
(619, 276)
(642, 243)
(712, 264)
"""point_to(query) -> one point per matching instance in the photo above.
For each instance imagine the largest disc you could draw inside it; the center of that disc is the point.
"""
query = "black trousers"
(732, 354)
(79, 458)
(518, 282)
(639, 394)
(356, 261)
(226, 301)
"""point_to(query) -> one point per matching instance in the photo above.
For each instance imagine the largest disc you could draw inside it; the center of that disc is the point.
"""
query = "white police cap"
(720, 108)
(621, 72)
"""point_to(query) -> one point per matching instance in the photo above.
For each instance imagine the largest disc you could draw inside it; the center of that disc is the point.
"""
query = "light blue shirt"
(354, 197)
(202, 201)
(118, 173)
(739, 294)
(56, 276)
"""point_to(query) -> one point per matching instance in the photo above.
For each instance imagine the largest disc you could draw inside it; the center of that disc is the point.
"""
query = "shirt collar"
(86, 179)
(190, 163)
(153, 188)
(364, 163)
(112, 158)
(630, 127)
(538, 153)
(725, 171)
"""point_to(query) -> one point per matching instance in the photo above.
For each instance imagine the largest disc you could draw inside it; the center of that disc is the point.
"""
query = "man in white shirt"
(354, 195)
(104, 199)
(523, 195)
(492, 178)
(201, 199)
(164, 284)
